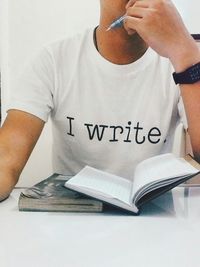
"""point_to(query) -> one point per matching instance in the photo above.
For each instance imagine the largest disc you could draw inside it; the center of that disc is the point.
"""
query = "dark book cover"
(51, 195)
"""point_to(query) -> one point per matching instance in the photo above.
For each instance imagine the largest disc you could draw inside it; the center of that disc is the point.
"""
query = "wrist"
(186, 56)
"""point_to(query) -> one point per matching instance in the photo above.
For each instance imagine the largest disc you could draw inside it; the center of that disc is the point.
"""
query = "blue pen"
(117, 23)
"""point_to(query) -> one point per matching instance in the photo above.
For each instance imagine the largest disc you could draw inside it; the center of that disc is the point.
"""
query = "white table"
(167, 233)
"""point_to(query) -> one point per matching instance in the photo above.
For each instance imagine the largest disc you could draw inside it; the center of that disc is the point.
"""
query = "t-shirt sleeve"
(33, 90)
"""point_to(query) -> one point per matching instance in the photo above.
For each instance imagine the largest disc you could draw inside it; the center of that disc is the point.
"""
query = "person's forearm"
(189, 54)
(8, 172)
(9, 167)
(18, 137)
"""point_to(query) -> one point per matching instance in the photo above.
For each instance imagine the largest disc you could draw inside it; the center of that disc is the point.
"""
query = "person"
(110, 94)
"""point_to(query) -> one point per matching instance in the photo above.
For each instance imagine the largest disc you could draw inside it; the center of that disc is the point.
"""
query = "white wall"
(29, 24)
(189, 11)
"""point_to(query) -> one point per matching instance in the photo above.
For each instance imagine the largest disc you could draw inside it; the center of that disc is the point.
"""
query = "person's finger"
(131, 23)
(139, 3)
(131, 32)
(142, 3)
(137, 12)
(130, 3)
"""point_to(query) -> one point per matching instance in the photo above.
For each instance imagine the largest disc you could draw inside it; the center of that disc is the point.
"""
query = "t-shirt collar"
(108, 66)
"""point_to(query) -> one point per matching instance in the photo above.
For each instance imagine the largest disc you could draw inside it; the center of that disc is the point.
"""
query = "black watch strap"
(189, 76)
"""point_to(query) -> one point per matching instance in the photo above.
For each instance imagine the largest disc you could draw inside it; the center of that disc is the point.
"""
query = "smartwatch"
(189, 76)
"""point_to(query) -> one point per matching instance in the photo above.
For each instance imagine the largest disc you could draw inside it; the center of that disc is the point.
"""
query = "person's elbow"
(196, 149)
(7, 184)
(197, 155)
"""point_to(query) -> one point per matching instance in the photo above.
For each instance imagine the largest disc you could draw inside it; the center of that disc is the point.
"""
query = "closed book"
(51, 195)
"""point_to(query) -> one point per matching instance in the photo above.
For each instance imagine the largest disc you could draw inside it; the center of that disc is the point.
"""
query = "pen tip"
(108, 29)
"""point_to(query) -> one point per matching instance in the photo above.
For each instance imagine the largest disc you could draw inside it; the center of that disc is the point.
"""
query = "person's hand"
(160, 26)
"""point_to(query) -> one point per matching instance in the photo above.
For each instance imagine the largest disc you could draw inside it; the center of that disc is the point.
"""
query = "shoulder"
(59, 55)
(66, 48)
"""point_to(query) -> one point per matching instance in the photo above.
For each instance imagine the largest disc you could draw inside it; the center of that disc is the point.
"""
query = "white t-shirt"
(104, 115)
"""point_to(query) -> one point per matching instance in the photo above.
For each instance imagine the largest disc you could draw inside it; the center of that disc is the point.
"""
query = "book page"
(109, 185)
(160, 168)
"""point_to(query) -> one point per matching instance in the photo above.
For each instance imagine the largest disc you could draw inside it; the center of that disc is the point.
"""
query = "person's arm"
(18, 137)
(191, 98)
(161, 27)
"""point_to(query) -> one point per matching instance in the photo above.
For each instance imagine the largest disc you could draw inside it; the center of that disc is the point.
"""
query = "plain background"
(26, 25)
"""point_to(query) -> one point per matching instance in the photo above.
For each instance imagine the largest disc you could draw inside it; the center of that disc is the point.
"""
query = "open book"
(152, 177)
